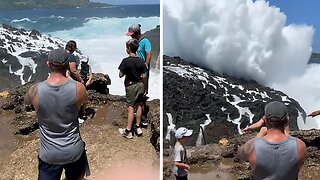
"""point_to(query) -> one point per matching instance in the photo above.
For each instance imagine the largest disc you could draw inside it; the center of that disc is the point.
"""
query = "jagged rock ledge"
(25, 121)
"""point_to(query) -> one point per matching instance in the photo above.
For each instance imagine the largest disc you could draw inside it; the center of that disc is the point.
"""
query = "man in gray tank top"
(57, 102)
(275, 156)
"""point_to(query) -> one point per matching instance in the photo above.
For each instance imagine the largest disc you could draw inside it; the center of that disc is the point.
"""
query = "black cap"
(276, 111)
(58, 55)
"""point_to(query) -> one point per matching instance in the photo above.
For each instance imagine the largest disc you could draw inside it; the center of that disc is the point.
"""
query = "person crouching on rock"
(85, 71)
(134, 71)
(57, 101)
(180, 166)
(86, 76)
(275, 155)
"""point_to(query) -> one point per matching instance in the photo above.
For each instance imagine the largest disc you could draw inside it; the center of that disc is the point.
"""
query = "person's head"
(84, 59)
(277, 115)
(182, 134)
(132, 46)
(71, 46)
(58, 60)
(134, 31)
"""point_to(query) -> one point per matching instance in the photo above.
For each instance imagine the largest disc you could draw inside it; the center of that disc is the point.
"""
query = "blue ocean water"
(49, 20)
(99, 33)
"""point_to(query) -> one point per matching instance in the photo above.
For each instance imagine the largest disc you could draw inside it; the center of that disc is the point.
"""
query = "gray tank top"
(60, 141)
(276, 161)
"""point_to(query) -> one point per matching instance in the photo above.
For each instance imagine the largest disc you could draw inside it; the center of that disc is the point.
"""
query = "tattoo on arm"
(246, 149)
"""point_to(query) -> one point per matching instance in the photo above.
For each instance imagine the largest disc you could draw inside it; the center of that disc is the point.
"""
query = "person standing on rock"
(71, 46)
(275, 155)
(134, 71)
(57, 101)
(144, 53)
(180, 166)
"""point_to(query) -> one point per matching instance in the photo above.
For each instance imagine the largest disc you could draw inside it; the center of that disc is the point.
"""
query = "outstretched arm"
(256, 125)
(314, 113)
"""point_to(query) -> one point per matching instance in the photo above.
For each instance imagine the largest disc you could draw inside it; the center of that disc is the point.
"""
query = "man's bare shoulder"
(246, 149)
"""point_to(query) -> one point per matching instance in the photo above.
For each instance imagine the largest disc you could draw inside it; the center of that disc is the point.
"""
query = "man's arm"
(245, 150)
(82, 95)
(148, 58)
(182, 165)
(256, 125)
(30, 99)
(145, 81)
(121, 74)
(148, 52)
(74, 73)
(302, 152)
(315, 113)
(90, 77)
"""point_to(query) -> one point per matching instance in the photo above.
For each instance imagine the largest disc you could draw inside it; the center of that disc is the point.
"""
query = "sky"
(302, 12)
(120, 2)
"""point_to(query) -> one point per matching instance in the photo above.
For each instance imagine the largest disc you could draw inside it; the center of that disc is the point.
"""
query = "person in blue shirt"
(144, 53)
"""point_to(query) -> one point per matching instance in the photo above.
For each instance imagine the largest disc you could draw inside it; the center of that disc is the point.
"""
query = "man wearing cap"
(180, 167)
(144, 53)
(57, 101)
(71, 46)
(275, 155)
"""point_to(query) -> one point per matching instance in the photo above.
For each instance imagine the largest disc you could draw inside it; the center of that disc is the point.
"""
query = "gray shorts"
(134, 93)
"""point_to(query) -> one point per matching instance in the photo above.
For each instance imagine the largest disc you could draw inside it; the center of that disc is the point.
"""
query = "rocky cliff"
(23, 54)
(215, 106)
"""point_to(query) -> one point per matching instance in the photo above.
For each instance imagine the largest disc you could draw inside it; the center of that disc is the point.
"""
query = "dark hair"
(71, 45)
(58, 67)
(277, 123)
(132, 45)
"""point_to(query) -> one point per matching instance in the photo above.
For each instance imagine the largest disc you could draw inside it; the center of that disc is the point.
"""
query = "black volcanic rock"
(23, 55)
(190, 92)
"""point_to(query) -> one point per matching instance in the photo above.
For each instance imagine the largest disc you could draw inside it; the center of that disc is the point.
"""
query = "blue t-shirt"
(144, 47)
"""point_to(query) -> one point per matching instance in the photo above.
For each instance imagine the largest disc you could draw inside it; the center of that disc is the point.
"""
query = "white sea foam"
(103, 40)
(22, 20)
(247, 39)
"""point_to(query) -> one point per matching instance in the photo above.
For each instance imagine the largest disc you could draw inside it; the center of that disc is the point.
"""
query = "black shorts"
(75, 170)
(181, 178)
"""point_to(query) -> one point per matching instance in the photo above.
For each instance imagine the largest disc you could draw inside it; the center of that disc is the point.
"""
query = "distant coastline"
(37, 4)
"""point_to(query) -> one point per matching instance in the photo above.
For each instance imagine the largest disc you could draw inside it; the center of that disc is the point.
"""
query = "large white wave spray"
(103, 40)
(246, 39)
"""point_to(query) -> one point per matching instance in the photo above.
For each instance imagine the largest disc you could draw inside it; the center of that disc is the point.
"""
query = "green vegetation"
(30, 4)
